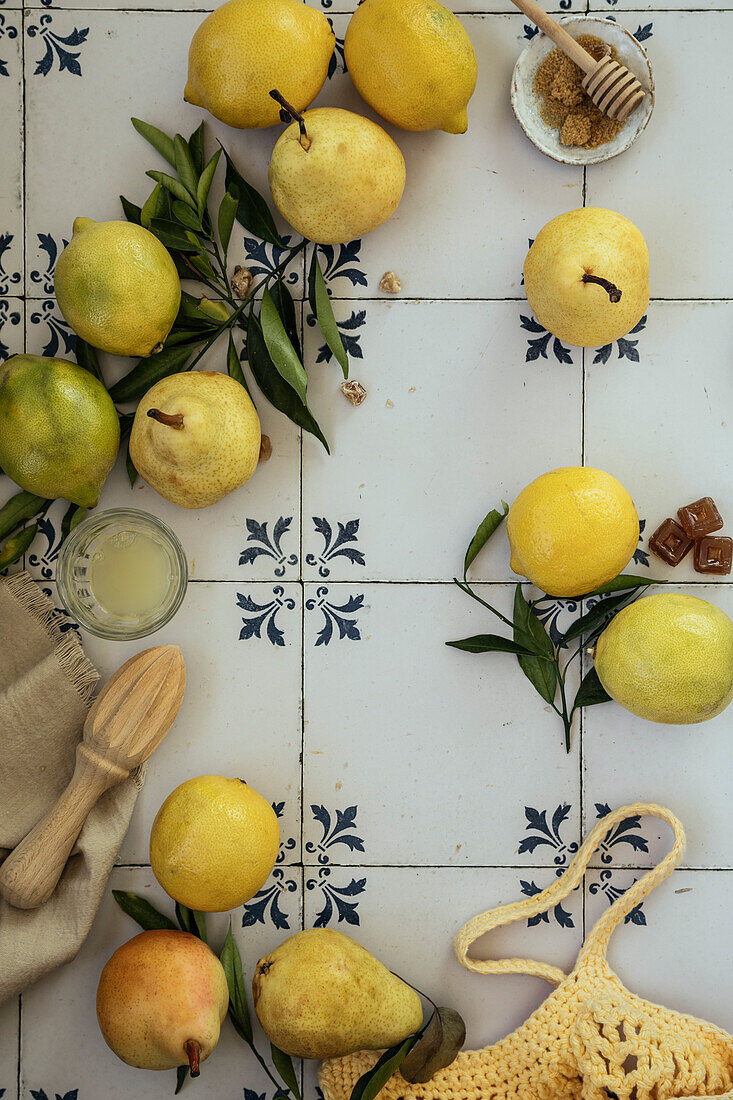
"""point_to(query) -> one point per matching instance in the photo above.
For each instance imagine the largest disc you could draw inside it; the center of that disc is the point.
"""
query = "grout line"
(350, 11)
(461, 867)
(19, 1081)
(510, 582)
(302, 656)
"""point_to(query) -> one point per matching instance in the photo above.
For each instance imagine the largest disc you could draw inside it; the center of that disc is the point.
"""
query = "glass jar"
(122, 574)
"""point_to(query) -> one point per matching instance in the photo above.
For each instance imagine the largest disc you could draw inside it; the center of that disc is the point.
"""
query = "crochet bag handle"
(597, 939)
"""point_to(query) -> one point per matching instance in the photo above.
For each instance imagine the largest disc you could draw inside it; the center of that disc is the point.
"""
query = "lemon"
(247, 48)
(349, 181)
(213, 843)
(572, 530)
(59, 431)
(118, 287)
(668, 658)
(413, 63)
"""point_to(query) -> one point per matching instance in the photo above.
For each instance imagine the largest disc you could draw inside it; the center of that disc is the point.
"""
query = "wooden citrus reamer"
(126, 723)
(611, 86)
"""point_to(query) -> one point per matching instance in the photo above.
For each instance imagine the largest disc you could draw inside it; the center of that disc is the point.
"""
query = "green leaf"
(157, 139)
(148, 371)
(155, 206)
(126, 421)
(131, 212)
(490, 643)
(73, 516)
(284, 1066)
(204, 184)
(437, 1047)
(597, 616)
(321, 306)
(184, 165)
(173, 235)
(203, 266)
(173, 187)
(15, 547)
(281, 351)
(373, 1081)
(18, 509)
(277, 391)
(621, 583)
(86, 357)
(234, 367)
(146, 915)
(192, 921)
(591, 691)
(238, 1008)
(529, 631)
(186, 216)
(227, 215)
(253, 213)
(285, 306)
(485, 530)
(181, 1078)
(196, 148)
(132, 473)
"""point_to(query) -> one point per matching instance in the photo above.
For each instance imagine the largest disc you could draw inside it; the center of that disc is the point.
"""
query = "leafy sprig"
(544, 663)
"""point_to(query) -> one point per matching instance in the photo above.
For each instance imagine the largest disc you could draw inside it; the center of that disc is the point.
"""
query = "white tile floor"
(416, 786)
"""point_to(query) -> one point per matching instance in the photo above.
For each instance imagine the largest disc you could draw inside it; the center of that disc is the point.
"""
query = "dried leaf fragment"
(353, 391)
(390, 283)
(241, 281)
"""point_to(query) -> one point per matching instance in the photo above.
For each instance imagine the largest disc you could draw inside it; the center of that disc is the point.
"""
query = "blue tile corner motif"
(8, 279)
(40, 1094)
(336, 899)
(627, 349)
(612, 893)
(560, 915)
(59, 48)
(338, 828)
(548, 834)
(641, 557)
(550, 611)
(285, 845)
(335, 545)
(265, 905)
(259, 615)
(44, 560)
(337, 62)
(11, 32)
(266, 545)
(350, 336)
(342, 262)
(538, 346)
(263, 257)
(60, 333)
(336, 615)
(8, 316)
(627, 832)
(44, 279)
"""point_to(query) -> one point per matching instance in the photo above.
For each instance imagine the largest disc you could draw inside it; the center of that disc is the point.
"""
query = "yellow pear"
(336, 175)
(245, 48)
(195, 437)
(320, 994)
(587, 276)
(161, 1000)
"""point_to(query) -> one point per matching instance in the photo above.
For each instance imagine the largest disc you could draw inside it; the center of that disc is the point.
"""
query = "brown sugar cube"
(700, 518)
(713, 554)
(670, 542)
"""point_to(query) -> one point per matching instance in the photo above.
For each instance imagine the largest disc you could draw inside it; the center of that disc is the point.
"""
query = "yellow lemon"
(247, 48)
(118, 287)
(668, 658)
(572, 530)
(413, 63)
(345, 177)
(213, 843)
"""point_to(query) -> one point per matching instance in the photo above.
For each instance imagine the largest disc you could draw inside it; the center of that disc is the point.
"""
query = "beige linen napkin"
(46, 686)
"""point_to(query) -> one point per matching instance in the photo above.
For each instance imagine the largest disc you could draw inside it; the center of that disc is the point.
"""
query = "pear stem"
(193, 1052)
(296, 116)
(172, 420)
(611, 289)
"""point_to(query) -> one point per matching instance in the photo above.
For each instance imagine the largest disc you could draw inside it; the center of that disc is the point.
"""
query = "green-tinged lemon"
(668, 658)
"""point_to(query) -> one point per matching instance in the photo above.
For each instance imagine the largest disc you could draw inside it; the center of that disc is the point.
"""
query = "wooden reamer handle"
(559, 36)
(29, 875)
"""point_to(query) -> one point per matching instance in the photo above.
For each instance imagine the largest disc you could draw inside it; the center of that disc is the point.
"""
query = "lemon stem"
(193, 1053)
(611, 289)
(296, 116)
(172, 420)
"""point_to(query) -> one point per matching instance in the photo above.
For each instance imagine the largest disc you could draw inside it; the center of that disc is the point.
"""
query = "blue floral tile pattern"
(44, 279)
(548, 834)
(350, 336)
(9, 316)
(337, 900)
(265, 905)
(59, 335)
(8, 29)
(40, 1094)
(336, 616)
(338, 828)
(269, 546)
(335, 544)
(626, 348)
(263, 257)
(341, 261)
(559, 914)
(259, 616)
(59, 48)
(612, 893)
(8, 279)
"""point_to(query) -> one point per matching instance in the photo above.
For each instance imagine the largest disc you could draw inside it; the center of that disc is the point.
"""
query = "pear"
(161, 1000)
(587, 276)
(335, 175)
(195, 437)
(320, 994)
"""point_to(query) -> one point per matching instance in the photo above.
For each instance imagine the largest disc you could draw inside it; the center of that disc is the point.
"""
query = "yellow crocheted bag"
(591, 1039)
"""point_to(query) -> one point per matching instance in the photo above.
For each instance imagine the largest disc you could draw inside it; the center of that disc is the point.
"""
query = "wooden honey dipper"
(614, 90)
(126, 723)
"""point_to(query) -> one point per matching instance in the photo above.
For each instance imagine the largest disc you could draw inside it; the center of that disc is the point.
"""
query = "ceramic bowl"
(526, 105)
